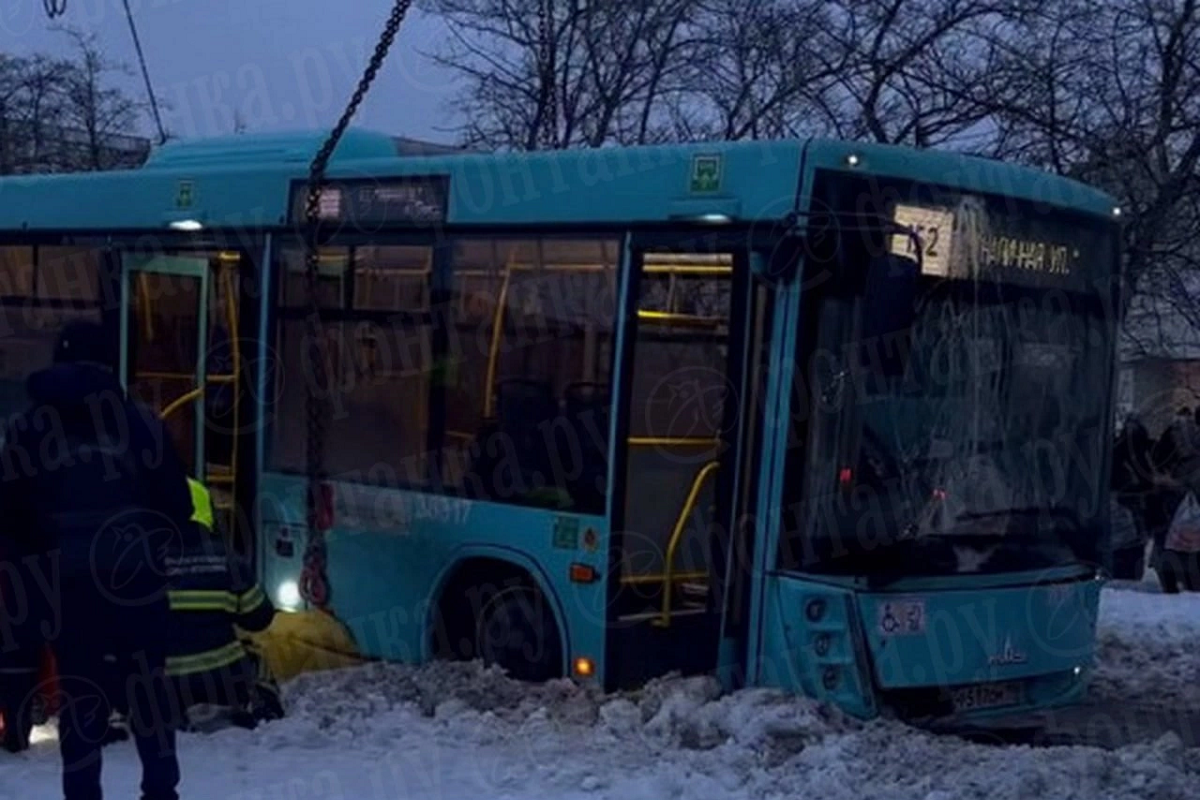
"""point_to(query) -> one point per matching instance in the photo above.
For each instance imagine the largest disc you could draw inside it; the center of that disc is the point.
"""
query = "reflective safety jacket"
(210, 594)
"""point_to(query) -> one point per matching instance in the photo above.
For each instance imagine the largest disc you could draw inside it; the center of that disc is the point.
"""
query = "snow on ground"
(1149, 648)
(458, 731)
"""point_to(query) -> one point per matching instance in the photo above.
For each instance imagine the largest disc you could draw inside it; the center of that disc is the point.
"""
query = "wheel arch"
(470, 557)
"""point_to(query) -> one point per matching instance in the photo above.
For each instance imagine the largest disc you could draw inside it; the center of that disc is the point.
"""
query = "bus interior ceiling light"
(187, 225)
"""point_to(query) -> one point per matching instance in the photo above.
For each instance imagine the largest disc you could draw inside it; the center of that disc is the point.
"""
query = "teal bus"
(824, 416)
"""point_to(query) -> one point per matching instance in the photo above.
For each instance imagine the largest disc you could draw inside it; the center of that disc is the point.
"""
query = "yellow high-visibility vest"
(202, 511)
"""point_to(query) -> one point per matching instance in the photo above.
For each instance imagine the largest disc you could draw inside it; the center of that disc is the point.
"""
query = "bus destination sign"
(397, 201)
(1023, 250)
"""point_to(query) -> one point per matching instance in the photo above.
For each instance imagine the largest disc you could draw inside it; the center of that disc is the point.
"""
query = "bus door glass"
(163, 334)
(181, 356)
(682, 419)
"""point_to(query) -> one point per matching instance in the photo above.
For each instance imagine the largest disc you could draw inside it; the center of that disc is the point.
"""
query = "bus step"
(644, 650)
(649, 616)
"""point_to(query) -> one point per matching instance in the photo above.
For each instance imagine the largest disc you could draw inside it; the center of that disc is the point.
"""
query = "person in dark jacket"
(92, 485)
(212, 596)
(1133, 484)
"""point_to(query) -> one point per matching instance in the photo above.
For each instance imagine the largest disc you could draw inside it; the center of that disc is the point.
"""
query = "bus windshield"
(970, 437)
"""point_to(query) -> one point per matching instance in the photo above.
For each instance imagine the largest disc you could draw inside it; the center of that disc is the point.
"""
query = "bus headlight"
(287, 594)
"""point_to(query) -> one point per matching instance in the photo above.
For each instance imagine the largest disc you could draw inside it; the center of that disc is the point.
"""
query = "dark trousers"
(109, 652)
(1178, 570)
(18, 689)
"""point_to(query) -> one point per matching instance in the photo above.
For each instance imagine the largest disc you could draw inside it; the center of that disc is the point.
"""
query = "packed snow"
(1149, 649)
(461, 731)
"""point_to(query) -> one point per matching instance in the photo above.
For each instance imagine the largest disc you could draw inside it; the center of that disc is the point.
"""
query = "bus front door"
(681, 369)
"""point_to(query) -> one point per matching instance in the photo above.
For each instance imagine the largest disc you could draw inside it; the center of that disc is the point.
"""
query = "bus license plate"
(986, 695)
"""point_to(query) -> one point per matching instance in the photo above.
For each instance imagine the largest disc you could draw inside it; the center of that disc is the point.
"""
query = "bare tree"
(1110, 93)
(603, 70)
(65, 114)
(750, 76)
(911, 71)
(92, 106)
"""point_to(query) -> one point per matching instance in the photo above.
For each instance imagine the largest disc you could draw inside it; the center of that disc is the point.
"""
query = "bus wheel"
(516, 631)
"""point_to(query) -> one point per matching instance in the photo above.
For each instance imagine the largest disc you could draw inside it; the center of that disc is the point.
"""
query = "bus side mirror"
(888, 313)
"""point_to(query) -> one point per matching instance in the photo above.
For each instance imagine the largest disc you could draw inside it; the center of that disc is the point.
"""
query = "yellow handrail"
(670, 441)
(659, 577)
(229, 266)
(143, 302)
(181, 401)
(494, 345)
(689, 505)
(671, 318)
(182, 376)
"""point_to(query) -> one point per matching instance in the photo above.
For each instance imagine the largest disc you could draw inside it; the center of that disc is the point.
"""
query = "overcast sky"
(284, 64)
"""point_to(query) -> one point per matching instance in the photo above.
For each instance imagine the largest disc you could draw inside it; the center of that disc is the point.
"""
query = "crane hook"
(55, 8)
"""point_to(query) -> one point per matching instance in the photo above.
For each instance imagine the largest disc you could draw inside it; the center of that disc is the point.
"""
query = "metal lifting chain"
(549, 131)
(314, 581)
(54, 8)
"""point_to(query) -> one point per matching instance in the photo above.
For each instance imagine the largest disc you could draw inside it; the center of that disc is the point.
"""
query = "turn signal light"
(582, 573)
(584, 667)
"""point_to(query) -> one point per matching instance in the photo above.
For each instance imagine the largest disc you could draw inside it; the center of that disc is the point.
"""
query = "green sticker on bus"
(706, 173)
(566, 533)
(183, 195)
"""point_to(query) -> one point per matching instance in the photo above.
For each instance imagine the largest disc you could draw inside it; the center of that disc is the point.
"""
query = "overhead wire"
(57, 8)
(137, 44)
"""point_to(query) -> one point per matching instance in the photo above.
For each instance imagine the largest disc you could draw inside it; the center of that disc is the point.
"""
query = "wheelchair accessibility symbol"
(901, 618)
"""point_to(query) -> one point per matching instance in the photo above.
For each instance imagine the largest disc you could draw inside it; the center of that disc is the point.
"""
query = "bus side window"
(30, 327)
(528, 361)
(379, 341)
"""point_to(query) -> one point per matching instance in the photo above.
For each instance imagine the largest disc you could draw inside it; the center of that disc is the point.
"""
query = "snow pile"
(1149, 648)
(680, 738)
(464, 731)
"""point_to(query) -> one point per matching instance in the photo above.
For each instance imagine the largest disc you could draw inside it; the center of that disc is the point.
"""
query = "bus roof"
(245, 181)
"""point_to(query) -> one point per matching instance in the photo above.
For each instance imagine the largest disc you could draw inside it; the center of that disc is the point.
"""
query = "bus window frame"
(442, 241)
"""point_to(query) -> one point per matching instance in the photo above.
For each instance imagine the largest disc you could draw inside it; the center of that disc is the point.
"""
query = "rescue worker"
(92, 485)
(211, 596)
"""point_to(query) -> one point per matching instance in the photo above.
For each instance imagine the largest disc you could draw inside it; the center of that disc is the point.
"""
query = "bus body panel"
(757, 181)
(390, 552)
(956, 636)
(811, 644)
(1032, 647)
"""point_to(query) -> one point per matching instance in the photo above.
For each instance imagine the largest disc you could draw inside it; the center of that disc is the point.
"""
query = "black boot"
(241, 718)
(267, 707)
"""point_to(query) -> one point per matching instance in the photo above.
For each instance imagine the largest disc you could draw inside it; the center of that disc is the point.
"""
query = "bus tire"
(516, 630)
